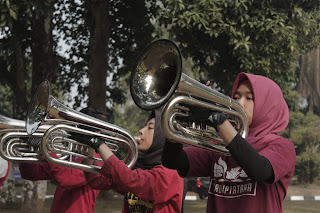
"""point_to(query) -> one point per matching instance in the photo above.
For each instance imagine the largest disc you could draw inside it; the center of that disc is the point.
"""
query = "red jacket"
(72, 192)
(156, 190)
(2, 179)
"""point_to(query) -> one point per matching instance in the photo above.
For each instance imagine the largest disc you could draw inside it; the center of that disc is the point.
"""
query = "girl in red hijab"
(256, 175)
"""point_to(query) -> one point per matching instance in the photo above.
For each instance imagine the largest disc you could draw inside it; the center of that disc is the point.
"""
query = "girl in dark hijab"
(149, 187)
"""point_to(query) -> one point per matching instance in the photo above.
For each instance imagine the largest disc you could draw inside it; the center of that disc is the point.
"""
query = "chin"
(141, 149)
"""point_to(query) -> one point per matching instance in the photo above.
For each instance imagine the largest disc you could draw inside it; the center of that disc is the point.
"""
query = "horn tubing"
(44, 106)
(5, 153)
(130, 142)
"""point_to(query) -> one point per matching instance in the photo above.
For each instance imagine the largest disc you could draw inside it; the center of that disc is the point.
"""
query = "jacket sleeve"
(35, 171)
(67, 177)
(98, 181)
(158, 184)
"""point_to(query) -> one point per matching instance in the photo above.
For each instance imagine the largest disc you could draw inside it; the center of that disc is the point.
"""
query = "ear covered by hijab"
(153, 156)
(270, 113)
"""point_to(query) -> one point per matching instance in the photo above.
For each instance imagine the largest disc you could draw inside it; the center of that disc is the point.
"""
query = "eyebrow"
(150, 123)
(246, 93)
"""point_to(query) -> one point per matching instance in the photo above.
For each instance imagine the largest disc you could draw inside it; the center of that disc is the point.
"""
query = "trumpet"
(17, 145)
(157, 81)
(44, 108)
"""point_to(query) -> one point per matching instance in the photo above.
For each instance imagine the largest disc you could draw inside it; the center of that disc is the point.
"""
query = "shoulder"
(283, 142)
(164, 171)
(281, 149)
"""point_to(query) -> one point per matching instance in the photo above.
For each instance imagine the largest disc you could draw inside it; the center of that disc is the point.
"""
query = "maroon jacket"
(72, 192)
(156, 190)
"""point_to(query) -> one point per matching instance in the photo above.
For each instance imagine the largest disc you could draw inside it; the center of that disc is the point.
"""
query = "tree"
(309, 79)
(15, 60)
(102, 35)
(111, 39)
(304, 132)
(225, 37)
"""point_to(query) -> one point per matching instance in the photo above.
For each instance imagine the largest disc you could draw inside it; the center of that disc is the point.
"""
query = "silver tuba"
(157, 81)
(17, 145)
(44, 108)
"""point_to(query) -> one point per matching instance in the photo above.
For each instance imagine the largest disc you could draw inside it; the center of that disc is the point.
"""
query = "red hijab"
(270, 112)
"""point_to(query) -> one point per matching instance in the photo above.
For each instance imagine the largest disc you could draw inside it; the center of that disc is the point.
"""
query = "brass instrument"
(44, 108)
(17, 145)
(157, 80)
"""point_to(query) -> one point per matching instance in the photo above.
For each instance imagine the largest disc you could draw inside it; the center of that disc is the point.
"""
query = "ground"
(112, 203)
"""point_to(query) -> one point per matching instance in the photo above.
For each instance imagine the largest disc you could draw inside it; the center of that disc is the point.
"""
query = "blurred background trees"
(86, 49)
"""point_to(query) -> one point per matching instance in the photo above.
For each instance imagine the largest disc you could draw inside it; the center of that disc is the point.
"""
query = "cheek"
(142, 146)
(250, 114)
(149, 141)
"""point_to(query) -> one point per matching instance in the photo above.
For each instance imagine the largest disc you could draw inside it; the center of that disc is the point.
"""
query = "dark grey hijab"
(153, 156)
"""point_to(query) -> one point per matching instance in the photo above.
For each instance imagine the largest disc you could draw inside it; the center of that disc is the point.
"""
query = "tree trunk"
(21, 104)
(309, 79)
(33, 195)
(316, 80)
(44, 63)
(44, 67)
(8, 192)
(99, 24)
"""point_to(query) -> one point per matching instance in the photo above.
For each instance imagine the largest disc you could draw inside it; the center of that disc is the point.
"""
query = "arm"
(158, 184)
(35, 171)
(96, 181)
(174, 157)
(146, 184)
(67, 177)
(256, 166)
(64, 176)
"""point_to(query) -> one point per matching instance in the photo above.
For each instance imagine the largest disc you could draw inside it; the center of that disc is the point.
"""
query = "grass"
(301, 206)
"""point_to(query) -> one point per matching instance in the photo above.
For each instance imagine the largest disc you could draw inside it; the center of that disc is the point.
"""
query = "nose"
(141, 131)
(241, 102)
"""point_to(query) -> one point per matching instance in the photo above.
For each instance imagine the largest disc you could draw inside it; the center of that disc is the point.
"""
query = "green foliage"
(307, 167)
(132, 118)
(130, 30)
(304, 132)
(292, 97)
(6, 98)
(16, 44)
(260, 37)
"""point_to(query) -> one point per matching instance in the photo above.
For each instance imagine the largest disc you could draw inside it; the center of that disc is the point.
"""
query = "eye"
(250, 98)
(236, 97)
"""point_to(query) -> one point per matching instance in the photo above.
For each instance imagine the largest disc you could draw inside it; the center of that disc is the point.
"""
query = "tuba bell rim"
(31, 125)
(143, 53)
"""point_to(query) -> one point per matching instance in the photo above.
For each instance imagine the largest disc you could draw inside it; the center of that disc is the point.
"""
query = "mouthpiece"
(137, 139)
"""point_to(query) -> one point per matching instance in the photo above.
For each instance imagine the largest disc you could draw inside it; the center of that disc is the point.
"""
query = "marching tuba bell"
(157, 81)
(44, 108)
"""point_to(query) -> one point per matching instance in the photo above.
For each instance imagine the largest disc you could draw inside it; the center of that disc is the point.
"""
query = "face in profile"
(146, 136)
(244, 96)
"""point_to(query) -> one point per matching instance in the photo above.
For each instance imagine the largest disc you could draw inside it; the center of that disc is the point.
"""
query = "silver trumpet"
(44, 108)
(157, 81)
(17, 145)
